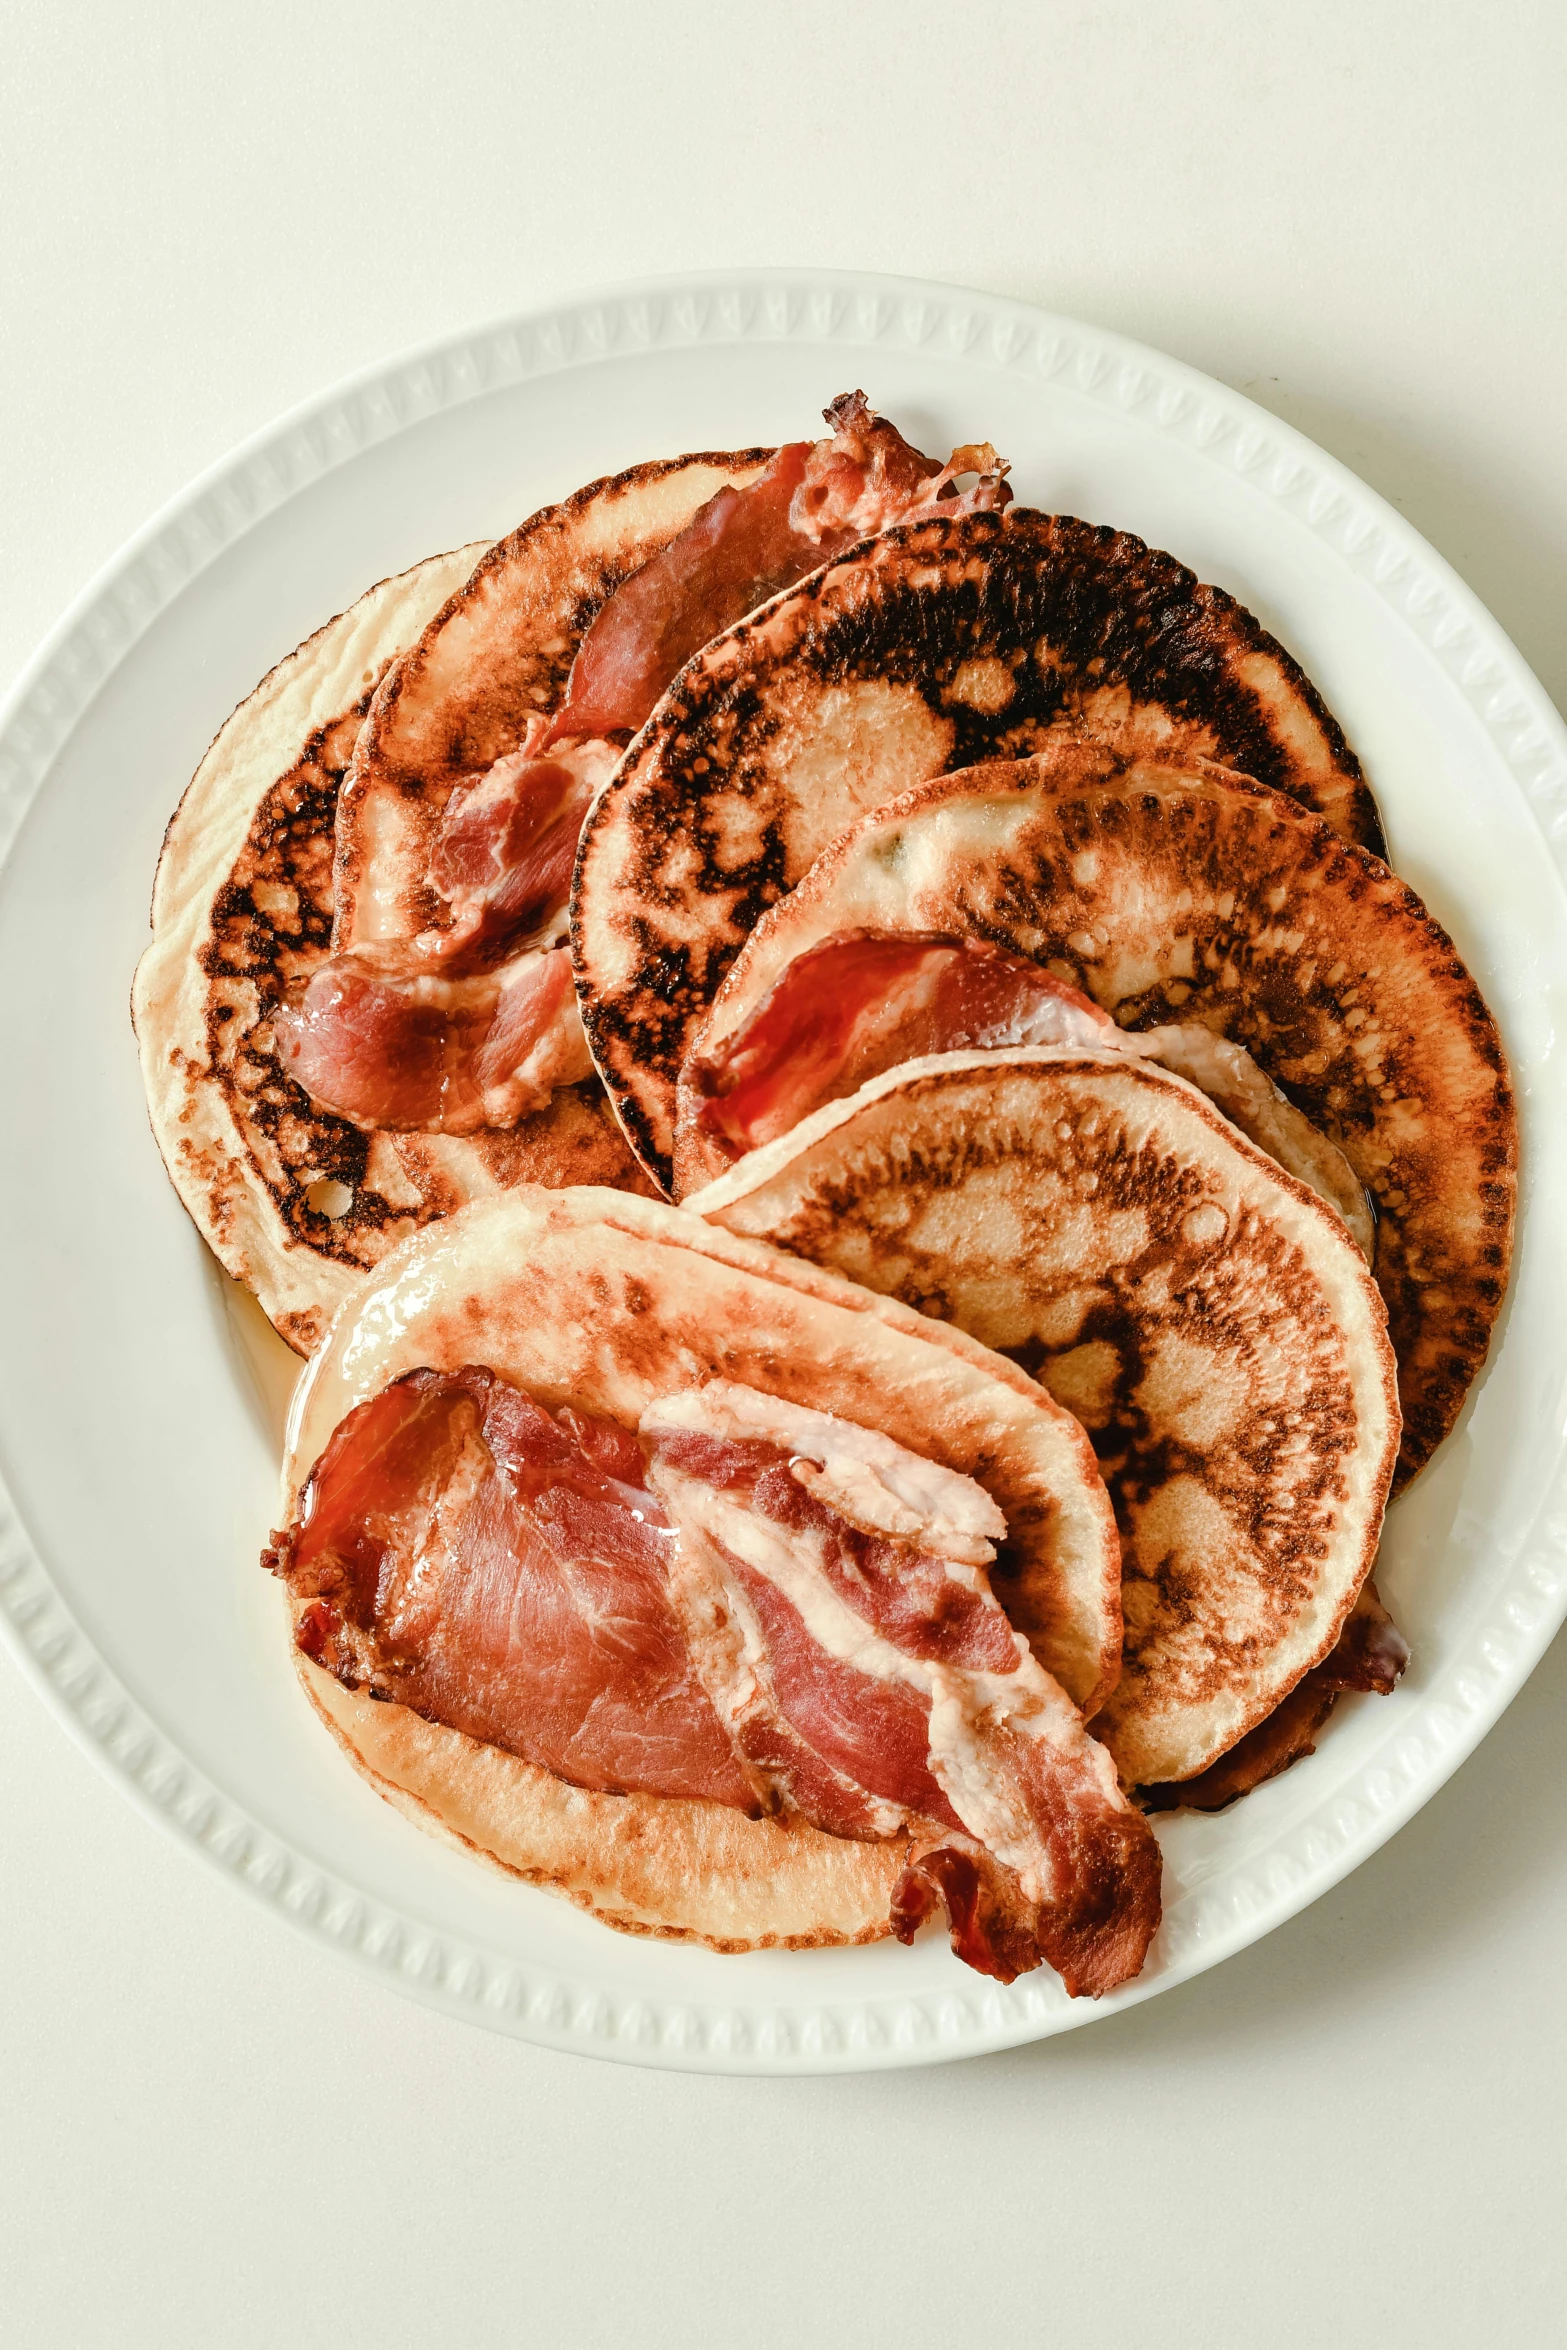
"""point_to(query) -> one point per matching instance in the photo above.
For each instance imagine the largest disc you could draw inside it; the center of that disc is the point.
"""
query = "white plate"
(136, 1434)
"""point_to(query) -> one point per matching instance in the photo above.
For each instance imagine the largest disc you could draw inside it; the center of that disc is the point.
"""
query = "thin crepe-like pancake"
(494, 656)
(293, 1201)
(931, 648)
(608, 1301)
(1169, 894)
(1206, 1316)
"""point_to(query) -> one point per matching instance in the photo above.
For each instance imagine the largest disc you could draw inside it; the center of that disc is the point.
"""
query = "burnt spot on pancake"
(1014, 625)
(935, 647)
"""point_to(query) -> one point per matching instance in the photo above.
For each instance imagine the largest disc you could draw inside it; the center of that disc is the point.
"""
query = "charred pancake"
(932, 648)
(1206, 1316)
(1193, 896)
(607, 1302)
(295, 1202)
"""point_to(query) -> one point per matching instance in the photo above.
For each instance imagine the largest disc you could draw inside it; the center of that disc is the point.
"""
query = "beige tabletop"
(1354, 2133)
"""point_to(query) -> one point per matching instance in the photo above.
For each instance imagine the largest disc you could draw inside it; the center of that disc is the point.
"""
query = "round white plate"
(138, 1405)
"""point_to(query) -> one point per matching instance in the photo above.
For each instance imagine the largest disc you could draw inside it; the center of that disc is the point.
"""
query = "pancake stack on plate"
(1094, 1169)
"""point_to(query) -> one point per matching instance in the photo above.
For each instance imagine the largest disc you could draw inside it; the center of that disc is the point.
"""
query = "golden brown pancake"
(607, 1301)
(932, 648)
(296, 1203)
(1169, 894)
(1206, 1316)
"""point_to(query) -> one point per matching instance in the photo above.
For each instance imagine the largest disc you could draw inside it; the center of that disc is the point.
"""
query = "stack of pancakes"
(1226, 1184)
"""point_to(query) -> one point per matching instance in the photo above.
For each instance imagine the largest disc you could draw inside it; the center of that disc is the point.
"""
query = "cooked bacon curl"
(389, 1038)
(504, 856)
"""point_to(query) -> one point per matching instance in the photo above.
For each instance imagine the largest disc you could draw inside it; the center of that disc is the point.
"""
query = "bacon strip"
(862, 1002)
(390, 1039)
(466, 1025)
(865, 1001)
(504, 856)
(812, 503)
(881, 1688)
(503, 1571)
(735, 552)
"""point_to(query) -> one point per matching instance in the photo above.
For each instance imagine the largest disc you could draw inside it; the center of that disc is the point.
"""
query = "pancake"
(1370, 1658)
(294, 1202)
(1191, 896)
(1206, 1316)
(934, 647)
(606, 1301)
(494, 656)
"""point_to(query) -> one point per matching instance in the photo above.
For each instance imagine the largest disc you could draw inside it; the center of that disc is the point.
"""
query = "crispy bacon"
(879, 1686)
(735, 552)
(390, 1037)
(865, 1001)
(468, 1024)
(871, 1733)
(980, 1931)
(1371, 1653)
(814, 501)
(496, 1569)
(867, 478)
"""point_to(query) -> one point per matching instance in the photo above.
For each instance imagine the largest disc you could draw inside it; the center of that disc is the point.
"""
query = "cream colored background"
(211, 2133)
